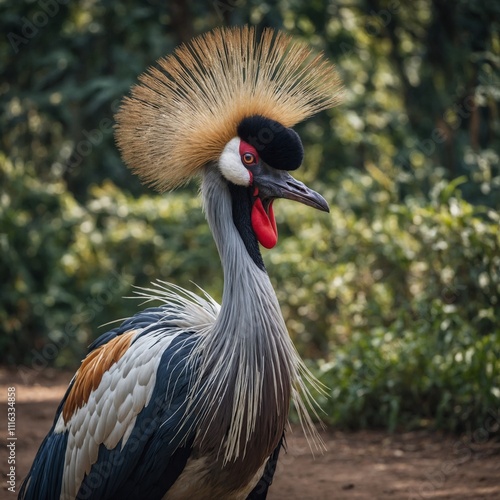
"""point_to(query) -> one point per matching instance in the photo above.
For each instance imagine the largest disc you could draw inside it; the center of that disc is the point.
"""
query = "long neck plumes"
(249, 364)
(247, 352)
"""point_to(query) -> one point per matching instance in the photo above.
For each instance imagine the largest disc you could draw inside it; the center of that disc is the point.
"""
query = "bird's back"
(127, 424)
(122, 418)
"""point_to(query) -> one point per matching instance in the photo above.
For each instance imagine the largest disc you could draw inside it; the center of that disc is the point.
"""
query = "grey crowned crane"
(190, 399)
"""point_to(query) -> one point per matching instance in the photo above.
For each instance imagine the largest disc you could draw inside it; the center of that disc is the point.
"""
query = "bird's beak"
(273, 183)
(269, 184)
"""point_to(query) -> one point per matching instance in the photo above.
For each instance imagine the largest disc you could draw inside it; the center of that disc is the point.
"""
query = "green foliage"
(68, 265)
(401, 303)
(396, 293)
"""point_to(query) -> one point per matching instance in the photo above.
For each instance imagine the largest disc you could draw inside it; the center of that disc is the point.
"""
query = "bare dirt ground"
(361, 465)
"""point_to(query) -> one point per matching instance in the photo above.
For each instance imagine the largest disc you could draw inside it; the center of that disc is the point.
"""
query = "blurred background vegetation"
(393, 297)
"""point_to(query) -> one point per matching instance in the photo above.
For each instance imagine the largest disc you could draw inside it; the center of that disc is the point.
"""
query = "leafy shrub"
(399, 301)
(67, 265)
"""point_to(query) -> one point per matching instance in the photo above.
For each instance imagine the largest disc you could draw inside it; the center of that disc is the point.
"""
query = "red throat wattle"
(264, 224)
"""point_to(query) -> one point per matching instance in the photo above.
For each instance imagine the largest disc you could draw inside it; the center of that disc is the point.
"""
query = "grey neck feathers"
(247, 358)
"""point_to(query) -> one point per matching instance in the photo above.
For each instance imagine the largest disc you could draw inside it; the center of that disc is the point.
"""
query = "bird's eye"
(248, 158)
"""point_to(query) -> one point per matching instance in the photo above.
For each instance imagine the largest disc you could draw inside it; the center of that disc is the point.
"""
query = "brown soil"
(359, 465)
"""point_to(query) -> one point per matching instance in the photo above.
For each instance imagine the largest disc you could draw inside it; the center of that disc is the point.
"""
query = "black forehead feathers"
(278, 146)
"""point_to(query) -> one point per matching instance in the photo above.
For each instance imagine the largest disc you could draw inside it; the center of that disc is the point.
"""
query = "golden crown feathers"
(182, 114)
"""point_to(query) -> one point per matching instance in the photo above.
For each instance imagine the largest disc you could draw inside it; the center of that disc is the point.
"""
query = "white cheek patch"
(230, 164)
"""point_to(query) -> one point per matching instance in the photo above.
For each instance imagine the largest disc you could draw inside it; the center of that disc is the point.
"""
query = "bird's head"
(229, 98)
(259, 159)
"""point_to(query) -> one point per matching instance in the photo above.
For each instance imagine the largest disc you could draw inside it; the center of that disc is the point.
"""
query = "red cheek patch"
(248, 148)
(264, 225)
